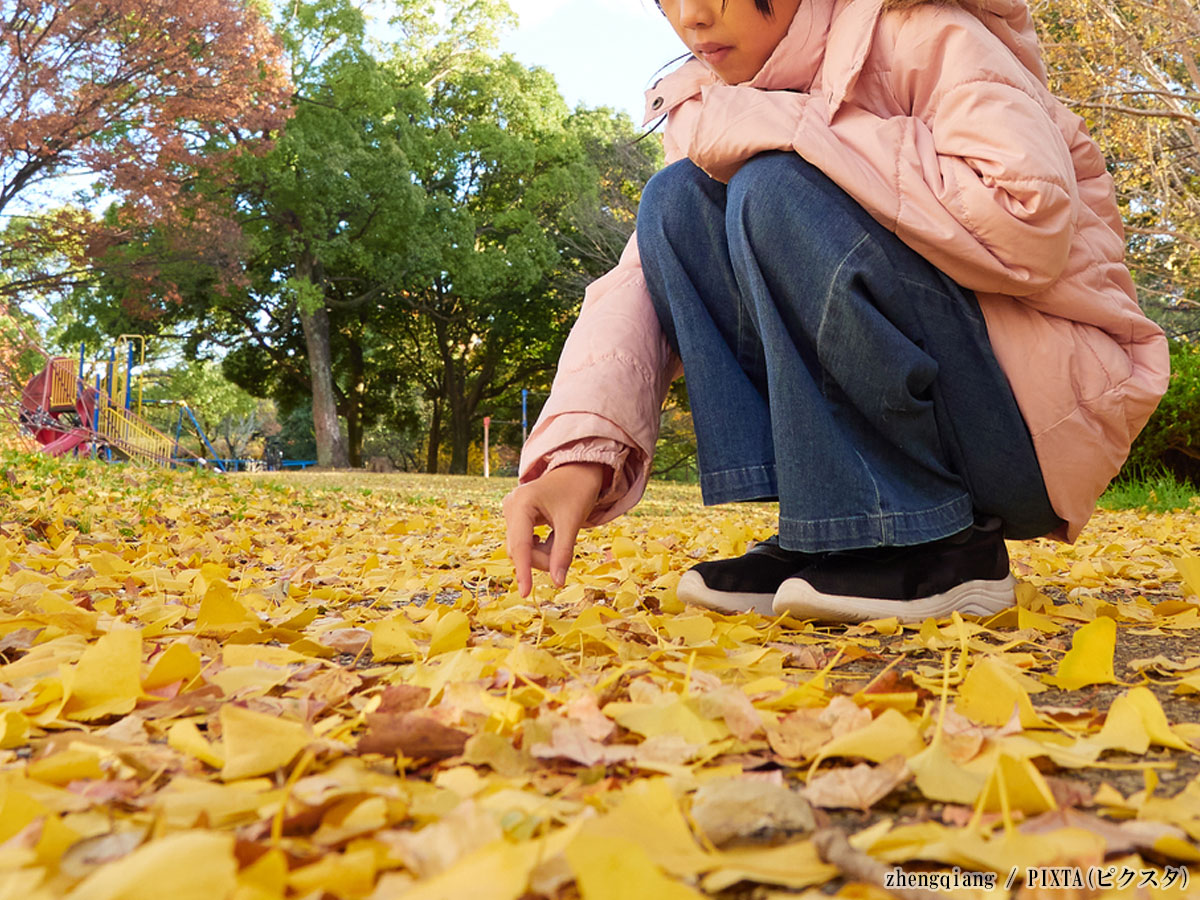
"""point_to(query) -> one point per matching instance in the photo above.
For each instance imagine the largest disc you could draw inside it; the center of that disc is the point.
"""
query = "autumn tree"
(1132, 69)
(136, 99)
(527, 203)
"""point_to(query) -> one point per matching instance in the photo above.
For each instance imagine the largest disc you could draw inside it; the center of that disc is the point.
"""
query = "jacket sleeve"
(977, 177)
(612, 378)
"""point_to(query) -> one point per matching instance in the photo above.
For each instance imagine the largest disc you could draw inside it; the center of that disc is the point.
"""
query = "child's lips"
(712, 53)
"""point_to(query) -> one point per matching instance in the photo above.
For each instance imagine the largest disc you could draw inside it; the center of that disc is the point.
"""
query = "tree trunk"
(354, 433)
(331, 446)
(460, 438)
(354, 403)
(435, 437)
(464, 397)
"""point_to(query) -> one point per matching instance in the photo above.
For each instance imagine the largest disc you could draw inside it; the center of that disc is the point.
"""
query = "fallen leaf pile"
(219, 687)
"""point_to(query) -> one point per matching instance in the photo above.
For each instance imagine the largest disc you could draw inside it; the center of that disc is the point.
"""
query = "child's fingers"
(562, 550)
(519, 525)
(539, 558)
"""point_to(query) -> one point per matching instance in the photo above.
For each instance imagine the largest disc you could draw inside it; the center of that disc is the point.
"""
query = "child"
(890, 262)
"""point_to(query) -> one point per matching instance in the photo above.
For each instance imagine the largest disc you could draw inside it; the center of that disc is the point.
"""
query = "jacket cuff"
(584, 437)
(608, 453)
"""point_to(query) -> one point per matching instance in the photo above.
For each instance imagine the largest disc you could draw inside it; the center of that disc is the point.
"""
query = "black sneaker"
(967, 572)
(747, 583)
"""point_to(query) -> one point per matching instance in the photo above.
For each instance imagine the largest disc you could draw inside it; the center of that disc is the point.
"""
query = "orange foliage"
(135, 91)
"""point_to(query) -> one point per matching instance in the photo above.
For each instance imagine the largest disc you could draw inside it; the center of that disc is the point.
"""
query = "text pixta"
(1054, 877)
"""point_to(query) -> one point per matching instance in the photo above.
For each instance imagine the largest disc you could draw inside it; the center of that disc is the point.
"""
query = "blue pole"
(82, 350)
(129, 377)
(112, 372)
(204, 437)
(524, 415)
(178, 432)
(96, 417)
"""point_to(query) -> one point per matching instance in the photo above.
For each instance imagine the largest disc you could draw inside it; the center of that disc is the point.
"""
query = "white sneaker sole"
(692, 589)
(975, 598)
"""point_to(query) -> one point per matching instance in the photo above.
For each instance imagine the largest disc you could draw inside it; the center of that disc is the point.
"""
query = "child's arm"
(603, 412)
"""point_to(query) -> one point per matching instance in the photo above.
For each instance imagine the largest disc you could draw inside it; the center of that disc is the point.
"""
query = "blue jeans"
(830, 366)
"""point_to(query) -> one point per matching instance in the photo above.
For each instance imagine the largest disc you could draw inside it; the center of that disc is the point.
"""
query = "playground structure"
(63, 413)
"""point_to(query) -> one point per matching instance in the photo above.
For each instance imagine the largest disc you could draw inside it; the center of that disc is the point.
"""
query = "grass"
(663, 498)
(1157, 491)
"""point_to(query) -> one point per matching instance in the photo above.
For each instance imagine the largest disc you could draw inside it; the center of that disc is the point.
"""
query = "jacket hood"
(788, 67)
(811, 39)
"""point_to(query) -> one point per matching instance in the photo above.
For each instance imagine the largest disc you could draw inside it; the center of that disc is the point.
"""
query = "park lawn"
(322, 685)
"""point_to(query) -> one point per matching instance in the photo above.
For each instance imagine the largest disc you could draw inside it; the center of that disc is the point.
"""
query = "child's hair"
(763, 6)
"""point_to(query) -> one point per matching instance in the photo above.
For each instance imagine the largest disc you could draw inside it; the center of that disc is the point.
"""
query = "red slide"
(53, 426)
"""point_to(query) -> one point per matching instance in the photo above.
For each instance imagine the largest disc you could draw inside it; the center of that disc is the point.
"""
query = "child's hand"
(561, 498)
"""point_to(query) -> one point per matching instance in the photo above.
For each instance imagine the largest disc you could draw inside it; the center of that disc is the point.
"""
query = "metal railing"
(131, 435)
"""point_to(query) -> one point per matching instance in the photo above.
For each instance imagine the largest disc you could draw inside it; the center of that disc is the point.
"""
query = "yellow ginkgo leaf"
(107, 679)
(1016, 784)
(497, 871)
(794, 865)
(451, 632)
(1090, 659)
(990, 693)
(391, 640)
(220, 612)
(257, 744)
(177, 663)
(351, 874)
(268, 874)
(66, 766)
(886, 735)
(1189, 570)
(677, 716)
(940, 778)
(1136, 721)
(186, 737)
(14, 729)
(648, 815)
(194, 865)
(608, 867)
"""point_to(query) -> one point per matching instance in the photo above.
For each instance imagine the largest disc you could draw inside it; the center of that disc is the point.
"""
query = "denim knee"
(777, 190)
(668, 198)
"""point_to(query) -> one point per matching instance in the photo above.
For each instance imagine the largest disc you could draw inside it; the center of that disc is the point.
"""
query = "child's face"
(734, 38)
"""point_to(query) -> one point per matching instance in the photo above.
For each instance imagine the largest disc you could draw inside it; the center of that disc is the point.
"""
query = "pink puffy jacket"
(938, 121)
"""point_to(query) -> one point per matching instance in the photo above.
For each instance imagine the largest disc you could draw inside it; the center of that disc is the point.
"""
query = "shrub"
(1171, 439)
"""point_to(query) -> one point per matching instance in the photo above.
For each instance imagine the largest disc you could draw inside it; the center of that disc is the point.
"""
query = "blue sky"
(602, 52)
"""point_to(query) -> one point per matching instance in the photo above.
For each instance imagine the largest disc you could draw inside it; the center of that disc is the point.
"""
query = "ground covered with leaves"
(324, 686)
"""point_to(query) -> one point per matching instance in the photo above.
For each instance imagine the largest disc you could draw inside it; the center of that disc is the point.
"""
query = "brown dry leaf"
(800, 734)
(585, 711)
(570, 741)
(731, 704)
(858, 787)
(414, 735)
(800, 656)
(436, 847)
(1123, 837)
(402, 698)
(843, 716)
(739, 807)
(88, 854)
